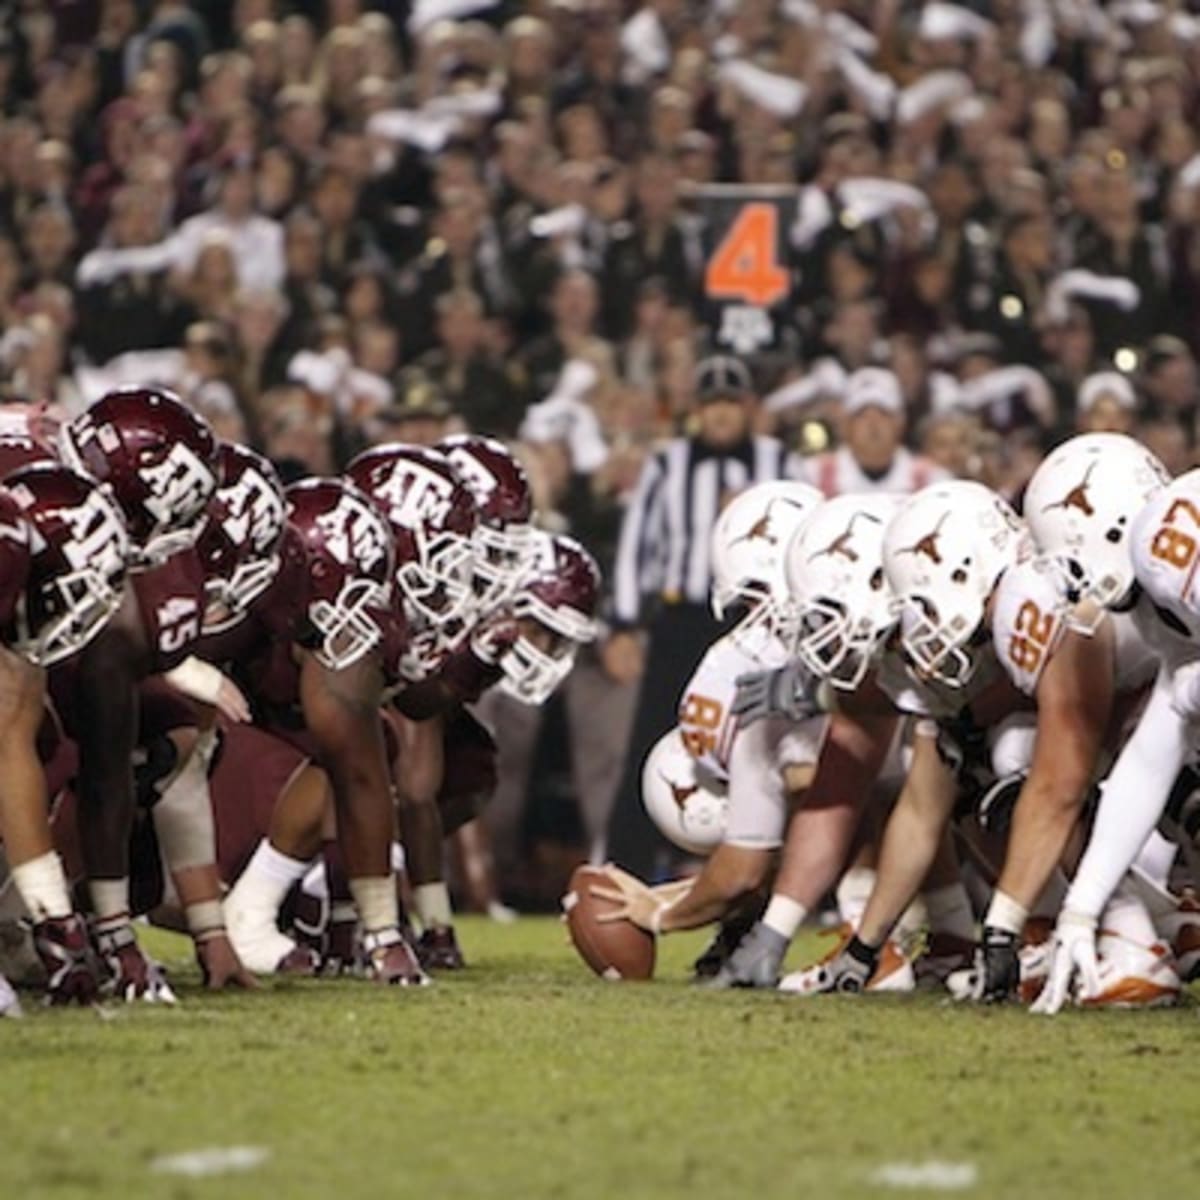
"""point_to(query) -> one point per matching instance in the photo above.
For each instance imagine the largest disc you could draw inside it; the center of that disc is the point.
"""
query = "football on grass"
(614, 949)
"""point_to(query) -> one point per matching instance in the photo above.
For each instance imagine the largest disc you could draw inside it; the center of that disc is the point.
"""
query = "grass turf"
(526, 1077)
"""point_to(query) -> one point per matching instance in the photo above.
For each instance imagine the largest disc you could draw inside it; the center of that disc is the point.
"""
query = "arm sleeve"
(1133, 799)
(634, 544)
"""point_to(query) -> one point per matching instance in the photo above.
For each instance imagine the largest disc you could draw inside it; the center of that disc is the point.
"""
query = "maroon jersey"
(170, 599)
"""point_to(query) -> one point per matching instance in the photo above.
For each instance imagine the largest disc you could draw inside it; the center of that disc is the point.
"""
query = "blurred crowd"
(335, 222)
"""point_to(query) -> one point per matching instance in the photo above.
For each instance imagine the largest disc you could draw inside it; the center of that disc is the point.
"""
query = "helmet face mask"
(939, 651)
(348, 629)
(835, 647)
(503, 556)
(79, 553)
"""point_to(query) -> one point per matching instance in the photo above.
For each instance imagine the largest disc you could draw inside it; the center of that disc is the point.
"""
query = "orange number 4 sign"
(746, 264)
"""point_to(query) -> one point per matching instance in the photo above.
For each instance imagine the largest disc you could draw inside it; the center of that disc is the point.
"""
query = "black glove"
(1001, 965)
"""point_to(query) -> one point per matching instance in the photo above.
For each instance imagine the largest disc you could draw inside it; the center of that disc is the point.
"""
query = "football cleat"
(438, 950)
(391, 959)
(1133, 976)
(839, 972)
(725, 942)
(72, 970)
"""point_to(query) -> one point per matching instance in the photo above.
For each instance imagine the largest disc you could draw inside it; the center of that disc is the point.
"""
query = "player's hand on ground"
(72, 969)
(757, 961)
(785, 692)
(220, 965)
(635, 900)
(1072, 960)
(132, 975)
(1001, 965)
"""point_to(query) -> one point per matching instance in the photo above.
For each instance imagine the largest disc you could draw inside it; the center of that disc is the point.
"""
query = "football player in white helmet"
(1164, 544)
(844, 616)
(763, 767)
(959, 559)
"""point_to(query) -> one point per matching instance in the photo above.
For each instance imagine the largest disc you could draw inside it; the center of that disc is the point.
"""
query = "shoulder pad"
(1028, 618)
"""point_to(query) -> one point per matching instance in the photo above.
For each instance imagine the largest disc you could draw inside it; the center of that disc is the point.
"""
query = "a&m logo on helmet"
(354, 534)
(181, 483)
(415, 495)
(254, 512)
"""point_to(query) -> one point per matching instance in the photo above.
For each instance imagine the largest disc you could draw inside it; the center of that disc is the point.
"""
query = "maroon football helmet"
(504, 548)
(159, 458)
(79, 548)
(350, 565)
(556, 605)
(240, 543)
(433, 520)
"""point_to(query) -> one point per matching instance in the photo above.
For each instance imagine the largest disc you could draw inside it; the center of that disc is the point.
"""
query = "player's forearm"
(910, 846)
(1047, 812)
(1132, 802)
(729, 874)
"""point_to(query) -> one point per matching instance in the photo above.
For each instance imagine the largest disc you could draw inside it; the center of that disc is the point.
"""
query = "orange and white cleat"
(1134, 976)
(840, 971)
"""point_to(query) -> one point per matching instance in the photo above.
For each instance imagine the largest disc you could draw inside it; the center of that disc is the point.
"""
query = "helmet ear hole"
(876, 581)
(1114, 535)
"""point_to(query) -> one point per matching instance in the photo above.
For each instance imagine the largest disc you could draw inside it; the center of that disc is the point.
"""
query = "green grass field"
(526, 1077)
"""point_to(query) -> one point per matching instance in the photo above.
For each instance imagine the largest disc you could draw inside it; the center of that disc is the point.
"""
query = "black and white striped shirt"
(664, 546)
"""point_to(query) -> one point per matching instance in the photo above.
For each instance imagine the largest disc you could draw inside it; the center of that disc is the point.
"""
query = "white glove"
(1072, 954)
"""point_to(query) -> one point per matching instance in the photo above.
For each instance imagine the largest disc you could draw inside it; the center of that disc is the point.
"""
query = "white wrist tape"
(197, 680)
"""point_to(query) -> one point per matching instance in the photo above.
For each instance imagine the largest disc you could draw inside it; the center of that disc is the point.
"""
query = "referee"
(662, 622)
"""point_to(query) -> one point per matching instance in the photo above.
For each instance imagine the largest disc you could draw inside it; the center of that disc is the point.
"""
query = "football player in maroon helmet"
(63, 546)
(160, 462)
(504, 535)
(555, 608)
(322, 692)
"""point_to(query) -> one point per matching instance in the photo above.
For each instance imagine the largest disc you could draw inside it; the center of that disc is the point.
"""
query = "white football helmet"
(686, 802)
(1080, 505)
(844, 608)
(748, 551)
(942, 554)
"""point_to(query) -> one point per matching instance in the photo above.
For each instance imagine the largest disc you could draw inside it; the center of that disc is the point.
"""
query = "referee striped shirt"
(663, 551)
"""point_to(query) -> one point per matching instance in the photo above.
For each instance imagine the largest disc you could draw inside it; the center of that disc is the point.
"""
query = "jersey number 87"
(1171, 544)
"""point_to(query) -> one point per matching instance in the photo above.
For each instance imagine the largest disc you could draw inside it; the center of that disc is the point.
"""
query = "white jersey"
(750, 760)
(1032, 612)
(838, 473)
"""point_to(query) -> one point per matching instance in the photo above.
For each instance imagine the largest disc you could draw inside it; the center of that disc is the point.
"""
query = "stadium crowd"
(331, 224)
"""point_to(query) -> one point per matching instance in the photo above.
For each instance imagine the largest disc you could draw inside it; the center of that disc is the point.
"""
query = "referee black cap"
(721, 377)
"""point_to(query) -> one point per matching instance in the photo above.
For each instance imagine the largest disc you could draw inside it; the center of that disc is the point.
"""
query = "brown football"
(614, 950)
